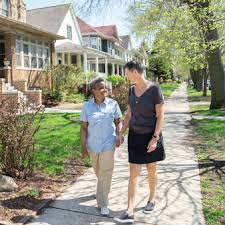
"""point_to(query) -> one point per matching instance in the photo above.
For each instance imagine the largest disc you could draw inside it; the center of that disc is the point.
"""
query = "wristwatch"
(156, 137)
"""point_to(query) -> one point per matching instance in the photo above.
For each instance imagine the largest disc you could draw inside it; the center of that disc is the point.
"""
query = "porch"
(89, 59)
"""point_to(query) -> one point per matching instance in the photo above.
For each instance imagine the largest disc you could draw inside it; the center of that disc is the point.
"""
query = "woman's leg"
(94, 162)
(106, 164)
(135, 170)
(152, 180)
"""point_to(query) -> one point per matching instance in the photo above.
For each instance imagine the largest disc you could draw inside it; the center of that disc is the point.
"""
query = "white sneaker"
(104, 211)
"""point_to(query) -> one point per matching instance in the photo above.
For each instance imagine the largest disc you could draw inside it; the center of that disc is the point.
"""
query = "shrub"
(66, 80)
(52, 97)
(17, 131)
(116, 80)
(120, 94)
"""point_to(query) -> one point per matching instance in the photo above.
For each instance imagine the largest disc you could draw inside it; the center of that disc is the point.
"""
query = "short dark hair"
(135, 65)
(93, 83)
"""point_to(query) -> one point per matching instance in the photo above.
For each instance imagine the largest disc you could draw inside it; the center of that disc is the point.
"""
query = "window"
(93, 42)
(99, 44)
(69, 32)
(86, 41)
(73, 59)
(40, 57)
(26, 55)
(46, 57)
(59, 58)
(31, 53)
(2, 53)
(18, 53)
(110, 48)
(5, 8)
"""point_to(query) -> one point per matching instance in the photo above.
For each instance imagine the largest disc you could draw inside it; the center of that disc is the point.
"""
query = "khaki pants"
(103, 164)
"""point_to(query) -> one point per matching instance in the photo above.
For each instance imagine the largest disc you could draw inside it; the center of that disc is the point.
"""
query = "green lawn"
(195, 96)
(203, 110)
(168, 88)
(211, 148)
(58, 139)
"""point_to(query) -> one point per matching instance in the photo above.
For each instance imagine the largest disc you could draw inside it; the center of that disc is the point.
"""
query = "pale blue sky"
(115, 15)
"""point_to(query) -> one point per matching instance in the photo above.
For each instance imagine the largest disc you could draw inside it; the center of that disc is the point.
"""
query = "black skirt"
(137, 148)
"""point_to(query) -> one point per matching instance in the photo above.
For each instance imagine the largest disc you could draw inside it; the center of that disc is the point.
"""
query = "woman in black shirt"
(145, 115)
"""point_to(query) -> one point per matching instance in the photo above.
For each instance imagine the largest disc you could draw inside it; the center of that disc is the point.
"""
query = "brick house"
(25, 51)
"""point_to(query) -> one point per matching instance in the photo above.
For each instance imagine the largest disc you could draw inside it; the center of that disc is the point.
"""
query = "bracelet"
(156, 137)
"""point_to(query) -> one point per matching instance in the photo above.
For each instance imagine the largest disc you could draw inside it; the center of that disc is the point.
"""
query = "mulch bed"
(17, 207)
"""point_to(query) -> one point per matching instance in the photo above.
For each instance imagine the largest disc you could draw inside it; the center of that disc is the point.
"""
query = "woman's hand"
(152, 145)
(119, 139)
(84, 154)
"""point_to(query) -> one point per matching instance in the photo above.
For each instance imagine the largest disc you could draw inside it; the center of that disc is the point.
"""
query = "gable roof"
(125, 39)
(108, 32)
(85, 27)
(9, 25)
(50, 18)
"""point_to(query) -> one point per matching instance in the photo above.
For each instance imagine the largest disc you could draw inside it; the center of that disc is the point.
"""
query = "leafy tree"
(160, 67)
(189, 30)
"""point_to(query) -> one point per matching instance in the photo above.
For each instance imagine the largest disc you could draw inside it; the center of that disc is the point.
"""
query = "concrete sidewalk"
(178, 198)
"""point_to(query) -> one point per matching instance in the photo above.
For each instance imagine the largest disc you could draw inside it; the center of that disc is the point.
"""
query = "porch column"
(106, 66)
(85, 72)
(96, 65)
(63, 58)
(53, 55)
(113, 68)
(69, 58)
(79, 60)
(118, 70)
(10, 54)
(123, 71)
(85, 62)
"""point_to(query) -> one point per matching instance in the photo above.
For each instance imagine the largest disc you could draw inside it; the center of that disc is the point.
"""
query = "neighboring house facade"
(97, 49)
(25, 50)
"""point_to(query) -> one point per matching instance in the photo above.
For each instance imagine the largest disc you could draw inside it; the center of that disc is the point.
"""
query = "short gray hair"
(93, 83)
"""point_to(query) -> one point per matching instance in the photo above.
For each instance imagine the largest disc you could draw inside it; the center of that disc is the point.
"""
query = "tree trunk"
(217, 75)
(205, 77)
(197, 79)
(215, 65)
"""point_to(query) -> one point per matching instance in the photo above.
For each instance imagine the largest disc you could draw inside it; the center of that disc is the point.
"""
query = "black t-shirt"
(143, 118)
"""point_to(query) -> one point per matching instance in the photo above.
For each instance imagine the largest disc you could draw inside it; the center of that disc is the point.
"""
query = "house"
(98, 49)
(25, 50)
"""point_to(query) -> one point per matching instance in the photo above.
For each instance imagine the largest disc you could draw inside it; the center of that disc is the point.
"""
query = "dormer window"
(5, 8)
(94, 42)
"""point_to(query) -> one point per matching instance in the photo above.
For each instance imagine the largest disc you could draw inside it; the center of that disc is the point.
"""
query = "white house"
(98, 49)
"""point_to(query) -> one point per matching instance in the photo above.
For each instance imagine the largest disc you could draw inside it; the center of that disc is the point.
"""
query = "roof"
(71, 47)
(9, 24)
(46, 17)
(108, 32)
(125, 39)
(85, 27)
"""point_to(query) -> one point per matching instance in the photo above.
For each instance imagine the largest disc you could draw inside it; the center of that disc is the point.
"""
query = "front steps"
(18, 93)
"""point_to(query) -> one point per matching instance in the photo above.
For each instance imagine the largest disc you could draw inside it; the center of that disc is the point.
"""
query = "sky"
(113, 15)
